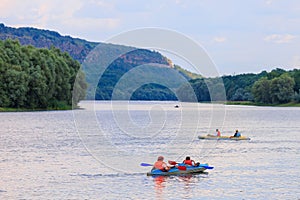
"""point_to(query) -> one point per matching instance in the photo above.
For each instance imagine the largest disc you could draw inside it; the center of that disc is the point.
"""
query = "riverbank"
(33, 110)
(249, 103)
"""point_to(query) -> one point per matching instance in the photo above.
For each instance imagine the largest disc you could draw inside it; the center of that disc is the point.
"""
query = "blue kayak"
(181, 169)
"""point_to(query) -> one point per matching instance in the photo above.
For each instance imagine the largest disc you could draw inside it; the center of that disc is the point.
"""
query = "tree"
(297, 80)
(38, 78)
(282, 89)
(261, 91)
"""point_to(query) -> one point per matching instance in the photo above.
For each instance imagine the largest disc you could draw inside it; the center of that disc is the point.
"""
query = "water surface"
(94, 153)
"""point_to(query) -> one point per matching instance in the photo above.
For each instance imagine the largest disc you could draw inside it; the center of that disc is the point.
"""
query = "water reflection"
(186, 182)
(160, 184)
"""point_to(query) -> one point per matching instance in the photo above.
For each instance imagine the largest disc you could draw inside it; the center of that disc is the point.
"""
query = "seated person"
(190, 162)
(216, 134)
(160, 164)
(237, 134)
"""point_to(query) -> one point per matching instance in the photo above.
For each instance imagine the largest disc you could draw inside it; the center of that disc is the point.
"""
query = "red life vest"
(188, 162)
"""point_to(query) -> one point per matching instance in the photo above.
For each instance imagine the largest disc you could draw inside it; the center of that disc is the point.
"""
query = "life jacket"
(218, 133)
(238, 135)
(159, 165)
(188, 162)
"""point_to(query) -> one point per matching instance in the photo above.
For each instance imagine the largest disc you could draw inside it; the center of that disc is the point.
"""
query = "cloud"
(269, 2)
(279, 38)
(219, 39)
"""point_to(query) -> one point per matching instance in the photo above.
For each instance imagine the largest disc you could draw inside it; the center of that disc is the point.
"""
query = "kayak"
(223, 138)
(180, 170)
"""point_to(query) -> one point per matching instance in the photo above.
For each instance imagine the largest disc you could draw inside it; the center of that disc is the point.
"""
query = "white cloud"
(219, 39)
(269, 2)
(280, 38)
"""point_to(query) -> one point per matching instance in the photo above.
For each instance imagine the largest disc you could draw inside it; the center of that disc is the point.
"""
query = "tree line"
(36, 78)
(275, 87)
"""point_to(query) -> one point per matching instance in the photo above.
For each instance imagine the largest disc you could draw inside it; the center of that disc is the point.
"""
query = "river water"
(95, 152)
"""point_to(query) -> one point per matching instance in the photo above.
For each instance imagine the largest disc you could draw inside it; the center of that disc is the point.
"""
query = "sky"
(246, 36)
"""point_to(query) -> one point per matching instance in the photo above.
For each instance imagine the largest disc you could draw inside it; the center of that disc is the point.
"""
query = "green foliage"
(36, 78)
(277, 87)
(261, 91)
(153, 92)
(199, 91)
(297, 96)
(79, 50)
(140, 65)
(238, 88)
(282, 89)
(275, 91)
(296, 75)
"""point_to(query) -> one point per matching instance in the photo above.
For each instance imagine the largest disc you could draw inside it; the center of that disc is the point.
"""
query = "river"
(95, 152)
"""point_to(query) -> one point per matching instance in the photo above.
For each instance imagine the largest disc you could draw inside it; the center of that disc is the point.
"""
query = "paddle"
(146, 164)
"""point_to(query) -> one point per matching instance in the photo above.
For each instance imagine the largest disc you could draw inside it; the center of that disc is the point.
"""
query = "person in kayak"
(237, 134)
(217, 134)
(190, 162)
(161, 165)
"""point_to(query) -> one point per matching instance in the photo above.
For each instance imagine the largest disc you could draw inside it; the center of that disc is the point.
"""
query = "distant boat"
(223, 138)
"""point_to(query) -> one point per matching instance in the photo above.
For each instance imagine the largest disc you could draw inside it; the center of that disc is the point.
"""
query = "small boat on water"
(181, 169)
(209, 137)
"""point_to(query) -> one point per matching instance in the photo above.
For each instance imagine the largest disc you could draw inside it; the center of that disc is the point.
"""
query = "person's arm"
(193, 163)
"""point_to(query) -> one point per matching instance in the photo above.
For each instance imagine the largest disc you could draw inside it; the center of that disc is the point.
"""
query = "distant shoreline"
(33, 110)
(249, 103)
(242, 103)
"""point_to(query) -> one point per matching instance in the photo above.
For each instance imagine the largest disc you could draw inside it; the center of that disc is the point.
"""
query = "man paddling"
(236, 134)
(160, 164)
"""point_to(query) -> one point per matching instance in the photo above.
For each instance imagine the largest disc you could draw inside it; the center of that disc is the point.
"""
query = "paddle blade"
(171, 162)
(208, 167)
(146, 164)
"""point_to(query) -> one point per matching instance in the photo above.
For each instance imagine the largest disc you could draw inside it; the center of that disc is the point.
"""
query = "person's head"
(160, 158)
(217, 129)
(187, 158)
(236, 130)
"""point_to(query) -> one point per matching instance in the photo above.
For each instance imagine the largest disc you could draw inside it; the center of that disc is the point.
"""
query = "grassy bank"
(33, 110)
(250, 103)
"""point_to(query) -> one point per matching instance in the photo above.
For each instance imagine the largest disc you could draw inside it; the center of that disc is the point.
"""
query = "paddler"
(216, 134)
(236, 134)
(161, 165)
(190, 162)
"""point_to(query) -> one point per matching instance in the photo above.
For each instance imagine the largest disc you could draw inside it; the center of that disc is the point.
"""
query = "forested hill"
(77, 48)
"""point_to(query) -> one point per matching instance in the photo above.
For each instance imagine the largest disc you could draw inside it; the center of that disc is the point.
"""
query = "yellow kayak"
(223, 138)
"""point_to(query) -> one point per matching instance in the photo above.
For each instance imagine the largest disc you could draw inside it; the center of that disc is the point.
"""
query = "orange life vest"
(160, 165)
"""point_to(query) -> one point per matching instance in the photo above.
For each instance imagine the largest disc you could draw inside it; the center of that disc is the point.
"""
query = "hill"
(77, 48)
(123, 62)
